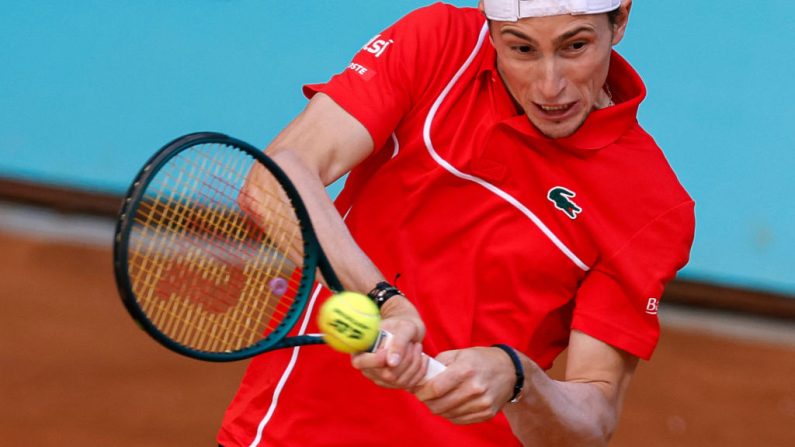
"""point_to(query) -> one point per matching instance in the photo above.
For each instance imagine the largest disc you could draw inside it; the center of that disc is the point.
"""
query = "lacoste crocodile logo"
(561, 197)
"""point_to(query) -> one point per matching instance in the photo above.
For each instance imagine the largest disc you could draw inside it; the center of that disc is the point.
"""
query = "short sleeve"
(618, 300)
(381, 83)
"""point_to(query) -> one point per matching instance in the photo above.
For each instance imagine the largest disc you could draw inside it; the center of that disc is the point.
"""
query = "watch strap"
(382, 292)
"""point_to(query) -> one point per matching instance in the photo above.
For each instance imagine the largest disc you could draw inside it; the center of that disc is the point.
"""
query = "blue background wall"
(89, 89)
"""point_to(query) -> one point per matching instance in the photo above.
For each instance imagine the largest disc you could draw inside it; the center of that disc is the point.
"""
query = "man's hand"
(400, 363)
(582, 410)
(476, 385)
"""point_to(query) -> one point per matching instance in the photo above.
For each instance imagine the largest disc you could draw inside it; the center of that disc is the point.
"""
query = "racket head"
(202, 274)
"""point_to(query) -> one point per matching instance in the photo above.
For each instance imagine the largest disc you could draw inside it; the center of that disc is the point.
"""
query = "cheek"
(518, 86)
(588, 77)
(515, 78)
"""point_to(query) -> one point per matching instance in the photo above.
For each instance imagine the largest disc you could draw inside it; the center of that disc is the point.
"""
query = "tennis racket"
(214, 252)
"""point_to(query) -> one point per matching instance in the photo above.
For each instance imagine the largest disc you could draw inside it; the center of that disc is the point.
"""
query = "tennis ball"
(349, 321)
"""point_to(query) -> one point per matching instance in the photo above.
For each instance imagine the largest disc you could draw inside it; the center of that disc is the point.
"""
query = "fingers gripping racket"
(214, 253)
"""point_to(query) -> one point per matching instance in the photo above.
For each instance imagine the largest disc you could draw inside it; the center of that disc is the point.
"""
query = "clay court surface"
(77, 372)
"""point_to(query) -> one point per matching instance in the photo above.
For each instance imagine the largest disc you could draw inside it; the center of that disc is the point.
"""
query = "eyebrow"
(562, 38)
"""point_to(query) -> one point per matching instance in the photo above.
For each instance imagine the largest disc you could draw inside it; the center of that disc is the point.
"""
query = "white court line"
(729, 325)
(42, 223)
(47, 224)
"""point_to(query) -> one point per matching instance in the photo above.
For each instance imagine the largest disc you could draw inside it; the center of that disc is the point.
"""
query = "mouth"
(555, 111)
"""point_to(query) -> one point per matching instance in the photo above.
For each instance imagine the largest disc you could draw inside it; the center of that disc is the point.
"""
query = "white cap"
(513, 10)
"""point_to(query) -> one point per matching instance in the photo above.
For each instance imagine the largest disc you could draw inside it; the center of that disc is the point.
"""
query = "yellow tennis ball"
(349, 322)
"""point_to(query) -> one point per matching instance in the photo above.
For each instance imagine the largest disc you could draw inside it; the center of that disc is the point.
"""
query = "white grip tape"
(434, 366)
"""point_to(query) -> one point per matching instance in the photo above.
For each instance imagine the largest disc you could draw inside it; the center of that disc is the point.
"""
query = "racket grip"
(434, 366)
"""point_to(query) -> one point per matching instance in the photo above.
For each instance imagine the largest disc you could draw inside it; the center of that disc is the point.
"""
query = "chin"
(559, 130)
(557, 133)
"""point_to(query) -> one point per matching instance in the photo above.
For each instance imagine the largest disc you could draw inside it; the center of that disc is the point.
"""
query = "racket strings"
(273, 261)
(174, 240)
(275, 202)
(207, 219)
(176, 308)
(203, 268)
(173, 312)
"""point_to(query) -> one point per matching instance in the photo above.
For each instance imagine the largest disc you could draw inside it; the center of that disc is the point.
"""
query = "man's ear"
(620, 27)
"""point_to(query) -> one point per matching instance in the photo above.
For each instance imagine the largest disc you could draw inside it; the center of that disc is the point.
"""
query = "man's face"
(555, 67)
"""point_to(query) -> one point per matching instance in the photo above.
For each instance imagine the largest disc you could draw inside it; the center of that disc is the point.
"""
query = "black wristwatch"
(382, 292)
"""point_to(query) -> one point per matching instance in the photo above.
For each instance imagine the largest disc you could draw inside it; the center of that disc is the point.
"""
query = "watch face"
(382, 292)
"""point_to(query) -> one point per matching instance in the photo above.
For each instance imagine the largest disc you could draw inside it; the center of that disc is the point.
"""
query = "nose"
(551, 81)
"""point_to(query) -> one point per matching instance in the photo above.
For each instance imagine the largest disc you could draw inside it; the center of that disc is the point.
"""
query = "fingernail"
(393, 359)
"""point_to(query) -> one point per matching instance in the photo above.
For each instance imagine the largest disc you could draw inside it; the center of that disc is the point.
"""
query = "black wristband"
(382, 292)
(517, 366)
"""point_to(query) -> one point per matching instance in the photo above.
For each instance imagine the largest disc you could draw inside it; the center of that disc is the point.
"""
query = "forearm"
(319, 146)
(352, 266)
(358, 273)
(555, 413)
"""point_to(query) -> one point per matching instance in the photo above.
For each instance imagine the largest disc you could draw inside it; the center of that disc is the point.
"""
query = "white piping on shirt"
(289, 369)
(426, 134)
(287, 372)
(395, 151)
(347, 212)
(396, 143)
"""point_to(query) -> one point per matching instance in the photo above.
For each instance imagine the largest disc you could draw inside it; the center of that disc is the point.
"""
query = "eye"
(578, 45)
(524, 49)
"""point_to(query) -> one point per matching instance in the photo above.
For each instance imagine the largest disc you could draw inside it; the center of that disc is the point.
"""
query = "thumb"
(395, 346)
(401, 334)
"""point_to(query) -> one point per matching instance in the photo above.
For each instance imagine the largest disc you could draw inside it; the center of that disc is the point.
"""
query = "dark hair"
(612, 16)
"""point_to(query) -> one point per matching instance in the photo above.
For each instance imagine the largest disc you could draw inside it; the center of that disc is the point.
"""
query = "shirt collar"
(602, 127)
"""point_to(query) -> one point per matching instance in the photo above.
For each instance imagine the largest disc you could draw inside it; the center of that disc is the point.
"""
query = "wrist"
(400, 308)
(519, 376)
(383, 292)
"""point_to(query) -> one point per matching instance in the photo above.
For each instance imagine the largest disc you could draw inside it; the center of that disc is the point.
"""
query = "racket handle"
(434, 366)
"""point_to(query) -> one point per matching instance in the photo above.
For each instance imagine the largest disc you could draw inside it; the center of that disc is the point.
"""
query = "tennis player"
(500, 180)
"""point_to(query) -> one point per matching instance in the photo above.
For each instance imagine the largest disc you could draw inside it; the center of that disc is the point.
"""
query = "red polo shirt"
(499, 234)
